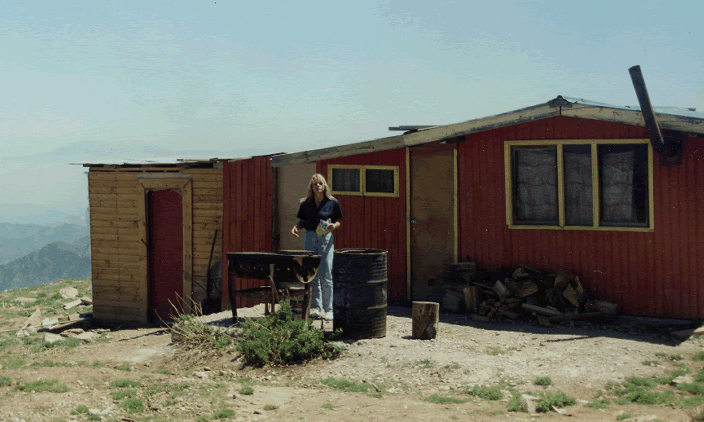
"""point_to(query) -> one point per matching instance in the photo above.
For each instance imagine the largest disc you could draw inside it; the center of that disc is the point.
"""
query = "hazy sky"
(244, 78)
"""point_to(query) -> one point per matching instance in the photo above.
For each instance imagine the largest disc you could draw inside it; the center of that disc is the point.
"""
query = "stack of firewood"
(549, 296)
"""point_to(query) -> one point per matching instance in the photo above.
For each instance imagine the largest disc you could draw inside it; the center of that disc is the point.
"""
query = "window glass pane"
(579, 204)
(379, 181)
(535, 185)
(623, 182)
(345, 180)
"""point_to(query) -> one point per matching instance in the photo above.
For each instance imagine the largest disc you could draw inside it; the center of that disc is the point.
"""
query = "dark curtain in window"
(579, 204)
(381, 181)
(535, 185)
(623, 177)
(346, 180)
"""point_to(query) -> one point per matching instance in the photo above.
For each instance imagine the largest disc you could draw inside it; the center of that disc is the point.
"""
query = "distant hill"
(53, 262)
(18, 240)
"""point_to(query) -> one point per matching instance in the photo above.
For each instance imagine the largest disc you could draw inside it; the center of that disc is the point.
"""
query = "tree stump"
(425, 317)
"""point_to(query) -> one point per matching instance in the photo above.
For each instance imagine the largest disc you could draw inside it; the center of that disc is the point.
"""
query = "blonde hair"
(317, 177)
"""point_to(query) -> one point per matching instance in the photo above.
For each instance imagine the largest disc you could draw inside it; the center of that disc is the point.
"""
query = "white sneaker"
(328, 316)
(315, 313)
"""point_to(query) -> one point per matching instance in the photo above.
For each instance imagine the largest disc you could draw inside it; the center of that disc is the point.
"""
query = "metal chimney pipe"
(646, 108)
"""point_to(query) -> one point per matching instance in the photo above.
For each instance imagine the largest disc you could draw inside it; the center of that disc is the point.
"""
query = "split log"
(501, 289)
(509, 314)
(543, 321)
(572, 317)
(472, 297)
(541, 310)
(571, 295)
(606, 307)
(425, 320)
(452, 301)
(562, 278)
(526, 289)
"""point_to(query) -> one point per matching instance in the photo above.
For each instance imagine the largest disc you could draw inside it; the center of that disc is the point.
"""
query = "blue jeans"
(323, 281)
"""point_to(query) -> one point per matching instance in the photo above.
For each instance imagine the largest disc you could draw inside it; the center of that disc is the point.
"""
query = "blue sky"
(234, 78)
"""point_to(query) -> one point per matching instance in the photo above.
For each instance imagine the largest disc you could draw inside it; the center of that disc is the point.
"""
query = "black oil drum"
(359, 292)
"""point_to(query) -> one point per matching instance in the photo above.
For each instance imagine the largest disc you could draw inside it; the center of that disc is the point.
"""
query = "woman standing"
(319, 214)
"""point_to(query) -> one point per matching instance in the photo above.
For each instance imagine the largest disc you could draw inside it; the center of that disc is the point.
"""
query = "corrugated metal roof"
(674, 111)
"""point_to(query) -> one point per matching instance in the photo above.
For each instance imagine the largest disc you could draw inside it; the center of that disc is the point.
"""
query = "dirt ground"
(580, 359)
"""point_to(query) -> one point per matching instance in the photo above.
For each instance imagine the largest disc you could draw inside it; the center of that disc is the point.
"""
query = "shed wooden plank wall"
(656, 273)
(207, 217)
(376, 222)
(248, 198)
(117, 252)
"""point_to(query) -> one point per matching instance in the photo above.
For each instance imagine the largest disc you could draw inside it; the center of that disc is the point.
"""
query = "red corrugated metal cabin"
(565, 184)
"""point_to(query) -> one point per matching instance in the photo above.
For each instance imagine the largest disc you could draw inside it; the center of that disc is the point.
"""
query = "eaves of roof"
(671, 118)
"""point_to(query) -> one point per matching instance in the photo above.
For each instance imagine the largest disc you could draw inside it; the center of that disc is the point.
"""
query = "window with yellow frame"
(363, 180)
(580, 184)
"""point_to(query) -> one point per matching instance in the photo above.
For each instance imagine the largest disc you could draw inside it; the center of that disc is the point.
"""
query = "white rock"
(52, 338)
(87, 336)
(68, 292)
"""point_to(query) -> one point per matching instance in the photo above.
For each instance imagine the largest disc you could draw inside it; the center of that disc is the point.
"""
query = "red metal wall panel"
(376, 222)
(655, 273)
(247, 215)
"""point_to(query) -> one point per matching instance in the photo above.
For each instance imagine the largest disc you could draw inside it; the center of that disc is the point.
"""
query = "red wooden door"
(165, 218)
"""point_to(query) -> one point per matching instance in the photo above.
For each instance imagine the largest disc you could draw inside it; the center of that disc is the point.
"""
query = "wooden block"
(425, 320)
(543, 321)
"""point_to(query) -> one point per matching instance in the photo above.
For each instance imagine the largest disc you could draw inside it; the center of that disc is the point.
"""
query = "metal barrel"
(359, 292)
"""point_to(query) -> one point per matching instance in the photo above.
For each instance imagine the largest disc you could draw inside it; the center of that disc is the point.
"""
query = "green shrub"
(195, 334)
(80, 410)
(247, 390)
(125, 368)
(599, 403)
(700, 376)
(698, 357)
(270, 407)
(124, 383)
(514, 403)
(487, 393)
(623, 416)
(347, 386)
(123, 394)
(696, 388)
(5, 382)
(544, 381)
(281, 340)
(52, 386)
(328, 406)
(443, 400)
(224, 414)
(553, 399)
(133, 405)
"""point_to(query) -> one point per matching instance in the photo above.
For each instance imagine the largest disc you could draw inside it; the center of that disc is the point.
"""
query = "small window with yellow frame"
(363, 180)
(579, 184)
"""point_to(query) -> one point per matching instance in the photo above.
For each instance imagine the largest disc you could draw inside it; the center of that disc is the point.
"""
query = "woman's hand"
(294, 230)
(333, 226)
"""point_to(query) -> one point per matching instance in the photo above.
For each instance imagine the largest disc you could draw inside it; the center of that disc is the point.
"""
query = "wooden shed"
(565, 184)
(153, 228)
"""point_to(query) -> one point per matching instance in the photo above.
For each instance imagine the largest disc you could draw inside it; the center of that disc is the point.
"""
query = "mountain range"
(18, 240)
(48, 259)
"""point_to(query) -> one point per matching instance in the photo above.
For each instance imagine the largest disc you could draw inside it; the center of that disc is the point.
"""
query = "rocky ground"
(406, 379)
